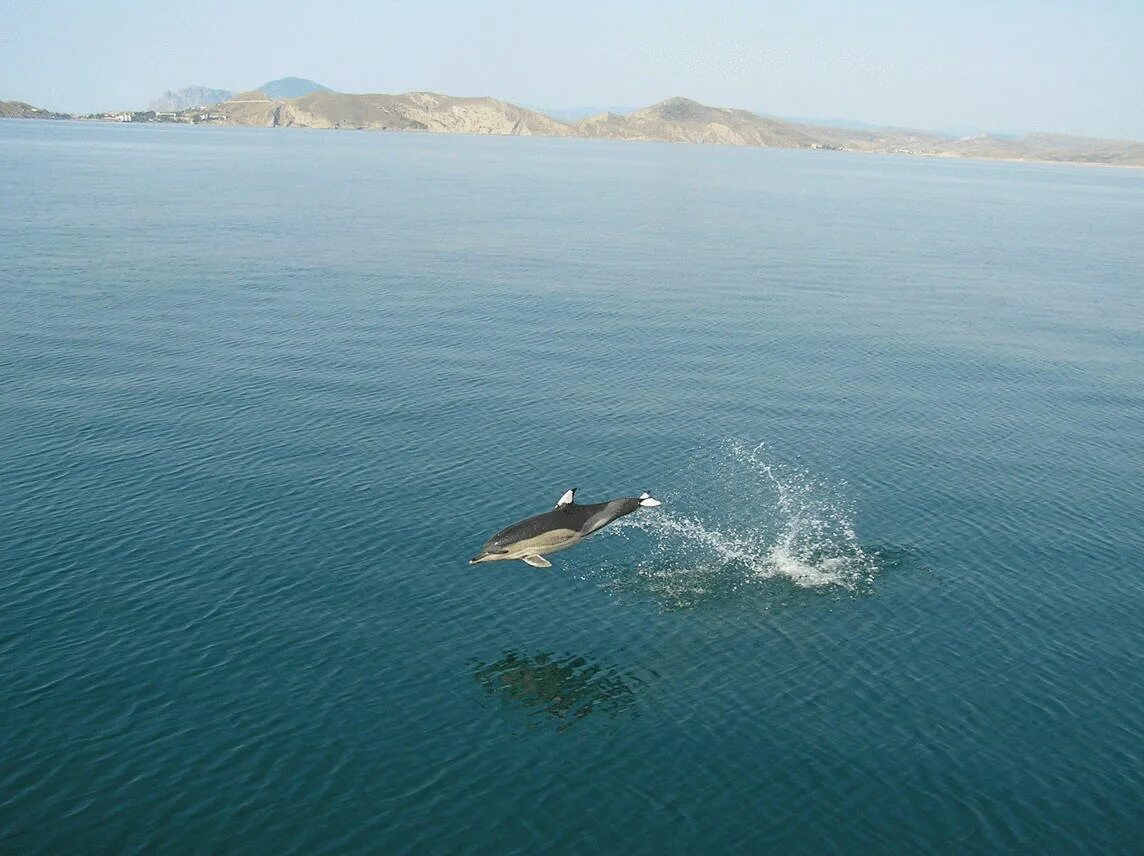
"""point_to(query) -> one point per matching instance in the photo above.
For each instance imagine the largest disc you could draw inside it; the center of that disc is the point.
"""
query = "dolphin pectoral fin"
(536, 561)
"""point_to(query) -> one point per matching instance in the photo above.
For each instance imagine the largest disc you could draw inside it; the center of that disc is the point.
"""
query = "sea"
(264, 392)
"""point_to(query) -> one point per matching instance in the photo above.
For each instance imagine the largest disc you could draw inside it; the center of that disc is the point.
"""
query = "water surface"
(262, 393)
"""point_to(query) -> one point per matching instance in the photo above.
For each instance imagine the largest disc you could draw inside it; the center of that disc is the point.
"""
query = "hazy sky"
(1055, 66)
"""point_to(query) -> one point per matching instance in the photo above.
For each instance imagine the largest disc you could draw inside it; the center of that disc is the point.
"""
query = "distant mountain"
(191, 96)
(291, 87)
(20, 110)
(202, 96)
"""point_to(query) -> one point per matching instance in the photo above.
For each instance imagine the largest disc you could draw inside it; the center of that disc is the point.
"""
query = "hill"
(412, 111)
(681, 120)
(20, 110)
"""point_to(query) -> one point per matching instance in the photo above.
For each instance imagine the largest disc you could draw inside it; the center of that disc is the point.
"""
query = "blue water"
(263, 393)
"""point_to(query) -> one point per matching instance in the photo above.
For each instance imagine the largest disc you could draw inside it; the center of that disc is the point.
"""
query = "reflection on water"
(561, 689)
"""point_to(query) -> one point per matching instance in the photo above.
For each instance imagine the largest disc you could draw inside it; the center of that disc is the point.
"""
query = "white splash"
(767, 521)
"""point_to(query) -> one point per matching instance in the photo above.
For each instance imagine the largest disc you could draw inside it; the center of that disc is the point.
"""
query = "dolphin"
(564, 526)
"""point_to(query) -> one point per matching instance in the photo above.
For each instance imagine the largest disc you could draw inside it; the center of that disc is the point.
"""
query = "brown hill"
(681, 120)
(412, 111)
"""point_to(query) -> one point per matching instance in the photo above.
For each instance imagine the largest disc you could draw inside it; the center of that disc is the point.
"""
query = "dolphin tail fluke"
(649, 501)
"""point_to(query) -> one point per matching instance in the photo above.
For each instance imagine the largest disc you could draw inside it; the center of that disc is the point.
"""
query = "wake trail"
(764, 520)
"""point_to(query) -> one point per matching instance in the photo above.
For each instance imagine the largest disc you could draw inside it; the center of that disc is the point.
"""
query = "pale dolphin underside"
(565, 526)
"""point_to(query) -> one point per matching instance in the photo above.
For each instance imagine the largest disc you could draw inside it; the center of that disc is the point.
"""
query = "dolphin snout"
(486, 556)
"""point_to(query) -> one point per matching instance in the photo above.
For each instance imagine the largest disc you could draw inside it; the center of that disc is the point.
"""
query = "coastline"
(895, 152)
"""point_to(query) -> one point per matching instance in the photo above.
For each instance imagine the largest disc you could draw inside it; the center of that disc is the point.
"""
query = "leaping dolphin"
(565, 526)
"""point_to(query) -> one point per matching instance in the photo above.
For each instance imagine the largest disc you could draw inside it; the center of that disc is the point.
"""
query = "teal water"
(263, 393)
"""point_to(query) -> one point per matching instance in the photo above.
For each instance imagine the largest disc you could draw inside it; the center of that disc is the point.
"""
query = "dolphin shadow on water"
(563, 690)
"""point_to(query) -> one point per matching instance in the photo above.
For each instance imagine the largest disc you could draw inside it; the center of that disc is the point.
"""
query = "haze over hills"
(188, 97)
(291, 87)
(675, 120)
(203, 96)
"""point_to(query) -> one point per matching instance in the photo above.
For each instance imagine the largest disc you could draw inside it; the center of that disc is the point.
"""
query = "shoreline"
(593, 139)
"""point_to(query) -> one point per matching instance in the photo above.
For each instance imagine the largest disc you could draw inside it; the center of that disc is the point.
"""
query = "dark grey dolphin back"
(530, 527)
(584, 519)
(602, 513)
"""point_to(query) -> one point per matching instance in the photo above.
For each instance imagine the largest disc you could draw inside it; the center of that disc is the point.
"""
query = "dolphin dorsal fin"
(567, 499)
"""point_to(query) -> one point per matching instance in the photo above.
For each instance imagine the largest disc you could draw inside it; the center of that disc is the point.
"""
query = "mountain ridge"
(676, 120)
